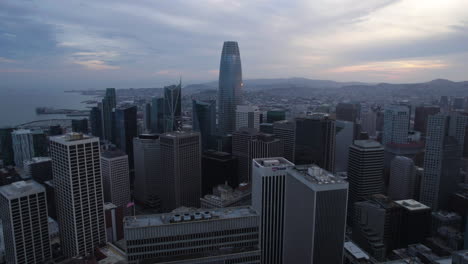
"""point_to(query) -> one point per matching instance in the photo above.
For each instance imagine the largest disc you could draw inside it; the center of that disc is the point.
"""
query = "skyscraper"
(204, 119)
(126, 130)
(109, 102)
(247, 144)
(314, 231)
(230, 87)
(116, 178)
(365, 171)
(181, 170)
(344, 138)
(415, 222)
(315, 141)
(421, 115)
(442, 159)
(402, 178)
(268, 199)
(6, 146)
(147, 116)
(157, 115)
(247, 116)
(275, 115)
(80, 125)
(285, 131)
(28, 144)
(172, 108)
(39, 169)
(348, 112)
(147, 170)
(396, 124)
(95, 120)
(23, 211)
(78, 192)
(218, 168)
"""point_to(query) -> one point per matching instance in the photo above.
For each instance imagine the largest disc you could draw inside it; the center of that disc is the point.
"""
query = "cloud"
(5, 60)
(96, 65)
(392, 66)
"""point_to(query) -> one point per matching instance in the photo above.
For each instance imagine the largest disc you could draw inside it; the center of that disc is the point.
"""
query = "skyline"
(81, 45)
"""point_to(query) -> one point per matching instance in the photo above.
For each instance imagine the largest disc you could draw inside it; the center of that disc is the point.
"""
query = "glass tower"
(230, 85)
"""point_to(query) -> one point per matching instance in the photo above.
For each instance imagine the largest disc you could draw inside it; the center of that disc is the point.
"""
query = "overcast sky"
(149, 43)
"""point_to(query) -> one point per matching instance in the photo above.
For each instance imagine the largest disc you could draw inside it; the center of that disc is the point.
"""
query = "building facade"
(396, 124)
(109, 103)
(247, 116)
(402, 183)
(204, 119)
(116, 178)
(172, 108)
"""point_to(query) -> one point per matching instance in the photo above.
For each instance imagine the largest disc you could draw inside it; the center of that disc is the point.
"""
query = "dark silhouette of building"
(80, 125)
(204, 119)
(415, 222)
(95, 120)
(157, 115)
(126, 130)
(421, 114)
(348, 111)
(109, 102)
(275, 115)
(39, 169)
(172, 108)
(55, 130)
(6, 147)
(218, 168)
(315, 141)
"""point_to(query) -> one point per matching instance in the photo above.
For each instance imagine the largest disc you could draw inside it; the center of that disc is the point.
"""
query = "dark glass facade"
(157, 115)
(108, 105)
(126, 130)
(172, 108)
(230, 87)
(80, 125)
(6, 146)
(218, 168)
(204, 119)
(95, 119)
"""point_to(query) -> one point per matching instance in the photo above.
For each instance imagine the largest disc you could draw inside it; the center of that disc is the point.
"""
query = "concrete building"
(415, 222)
(225, 196)
(268, 199)
(365, 172)
(442, 159)
(402, 179)
(247, 116)
(23, 211)
(223, 235)
(116, 178)
(326, 196)
(180, 170)
(396, 124)
(78, 192)
(147, 182)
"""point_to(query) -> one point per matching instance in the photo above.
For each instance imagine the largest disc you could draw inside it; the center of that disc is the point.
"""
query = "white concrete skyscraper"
(247, 116)
(396, 124)
(230, 87)
(268, 198)
(116, 178)
(78, 192)
(23, 211)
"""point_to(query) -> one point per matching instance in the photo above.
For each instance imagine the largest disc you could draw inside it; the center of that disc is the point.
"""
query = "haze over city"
(89, 44)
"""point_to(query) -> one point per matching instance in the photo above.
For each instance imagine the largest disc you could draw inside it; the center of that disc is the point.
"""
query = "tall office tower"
(157, 115)
(126, 130)
(39, 169)
(116, 178)
(344, 138)
(348, 112)
(444, 102)
(421, 115)
(223, 235)
(230, 87)
(365, 172)
(442, 159)
(402, 182)
(218, 168)
(275, 115)
(396, 120)
(247, 116)
(458, 103)
(147, 116)
(368, 122)
(147, 170)
(285, 131)
(23, 210)
(268, 199)
(172, 108)
(6, 146)
(377, 218)
(95, 120)
(181, 170)
(28, 144)
(80, 125)
(78, 192)
(204, 119)
(415, 222)
(315, 141)
(314, 231)
(109, 102)
(248, 144)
